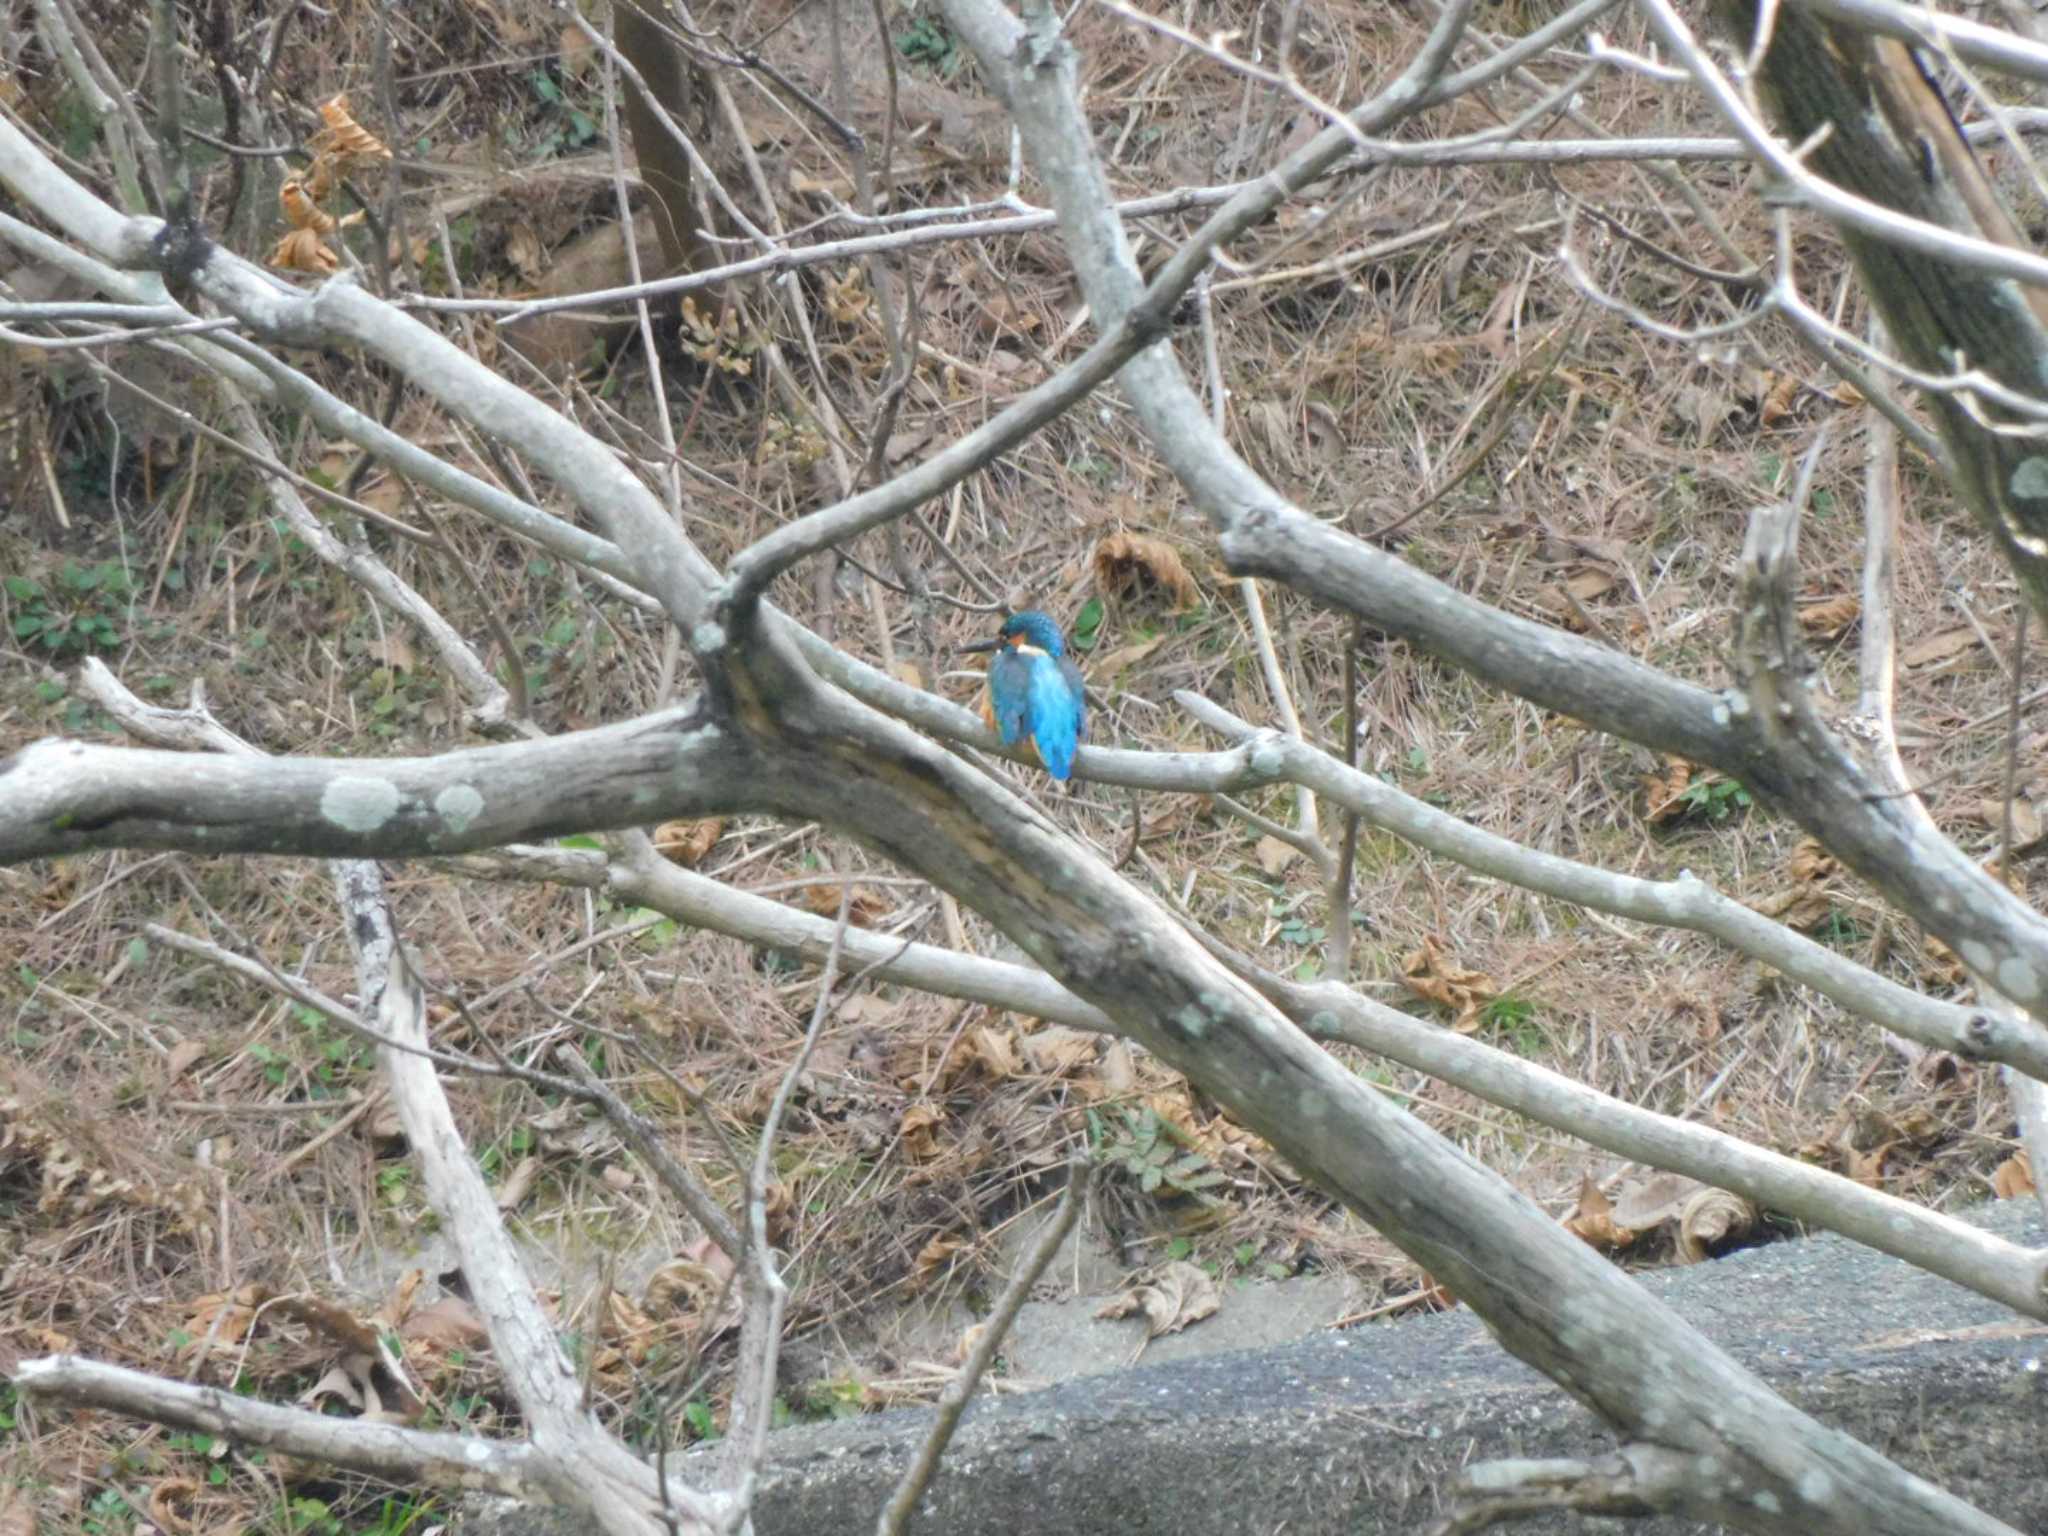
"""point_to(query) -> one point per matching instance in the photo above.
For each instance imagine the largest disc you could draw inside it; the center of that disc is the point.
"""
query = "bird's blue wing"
(1055, 713)
(1009, 693)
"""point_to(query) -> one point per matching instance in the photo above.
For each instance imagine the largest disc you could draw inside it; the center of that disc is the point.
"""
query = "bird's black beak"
(985, 645)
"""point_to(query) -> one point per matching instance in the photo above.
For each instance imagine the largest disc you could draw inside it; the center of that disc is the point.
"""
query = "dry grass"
(147, 1104)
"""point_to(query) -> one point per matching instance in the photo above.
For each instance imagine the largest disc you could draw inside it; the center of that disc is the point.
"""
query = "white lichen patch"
(1193, 1020)
(2017, 979)
(1268, 757)
(706, 638)
(1977, 956)
(458, 805)
(358, 802)
(1767, 1501)
(1815, 1486)
(2029, 480)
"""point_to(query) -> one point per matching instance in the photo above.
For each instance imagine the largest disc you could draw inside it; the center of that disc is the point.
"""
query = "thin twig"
(895, 1516)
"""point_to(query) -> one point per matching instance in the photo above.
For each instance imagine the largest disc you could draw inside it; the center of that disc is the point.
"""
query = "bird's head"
(1029, 630)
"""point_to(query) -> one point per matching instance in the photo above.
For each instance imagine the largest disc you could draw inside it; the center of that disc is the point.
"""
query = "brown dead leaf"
(392, 649)
(1938, 647)
(302, 251)
(689, 842)
(1646, 1201)
(16, 1518)
(919, 1128)
(183, 1057)
(1710, 1218)
(1274, 855)
(1809, 863)
(1868, 1167)
(2013, 1177)
(1809, 899)
(444, 1326)
(1132, 566)
(936, 1257)
(1178, 1294)
(577, 52)
(994, 1051)
(1593, 1219)
(519, 1183)
(865, 907)
(222, 1317)
(342, 137)
(171, 1501)
(1432, 974)
(523, 251)
(1664, 793)
(1566, 601)
(1831, 616)
(1119, 1069)
(1104, 668)
(2026, 820)
(1056, 1049)
(1781, 390)
(692, 1284)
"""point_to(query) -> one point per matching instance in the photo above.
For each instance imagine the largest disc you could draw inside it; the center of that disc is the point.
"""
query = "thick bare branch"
(410, 1456)
(61, 797)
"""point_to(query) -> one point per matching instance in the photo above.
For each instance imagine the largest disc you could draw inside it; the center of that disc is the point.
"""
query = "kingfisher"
(1035, 690)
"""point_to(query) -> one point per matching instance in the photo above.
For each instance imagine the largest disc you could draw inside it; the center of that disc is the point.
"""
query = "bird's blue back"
(1037, 692)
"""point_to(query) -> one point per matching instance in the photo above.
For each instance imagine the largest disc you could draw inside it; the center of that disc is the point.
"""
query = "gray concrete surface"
(1359, 1431)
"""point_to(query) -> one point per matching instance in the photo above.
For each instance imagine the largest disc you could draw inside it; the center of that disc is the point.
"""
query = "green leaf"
(138, 950)
(1086, 623)
(22, 590)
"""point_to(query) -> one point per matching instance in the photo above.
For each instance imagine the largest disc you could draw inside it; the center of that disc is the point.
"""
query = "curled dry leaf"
(1664, 793)
(222, 1318)
(936, 1257)
(1647, 1201)
(1809, 900)
(342, 137)
(1709, 1219)
(302, 212)
(1133, 566)
(1431, 973)
(1831, 616)
(1178, 1294)
(919, 1128)
(301, 250)
(688, 842)
(993, 1050)
(1593, 1219)
(1780, 391)
(444, 1326)
(2013, 1177)
(1566, 600)
(171, 1503)
(864, 908)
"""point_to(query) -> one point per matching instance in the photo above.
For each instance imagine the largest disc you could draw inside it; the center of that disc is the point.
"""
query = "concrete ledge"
(1358, 1431)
